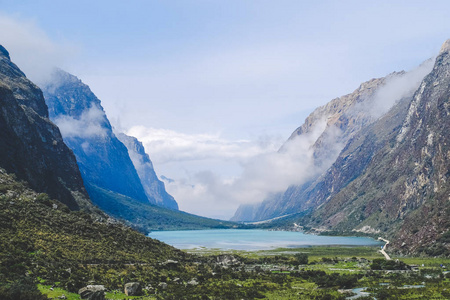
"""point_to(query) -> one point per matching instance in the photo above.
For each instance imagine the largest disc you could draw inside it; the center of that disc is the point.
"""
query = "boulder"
(92, 292)
(132, 289)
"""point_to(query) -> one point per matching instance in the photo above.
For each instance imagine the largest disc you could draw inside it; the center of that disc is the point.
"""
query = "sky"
(214, 88)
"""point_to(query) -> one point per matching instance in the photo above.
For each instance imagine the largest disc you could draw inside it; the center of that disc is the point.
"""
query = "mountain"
(393, 179)
(103, 160)
(153, 187)
(336, 123)
(32, 147)
(109, 175)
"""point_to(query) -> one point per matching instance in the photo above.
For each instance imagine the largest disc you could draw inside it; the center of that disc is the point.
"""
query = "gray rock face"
(154, 188)
(92, 292)
(31, 145)
(132, 289)
(103, 160)
(404, 189)
(344, 118)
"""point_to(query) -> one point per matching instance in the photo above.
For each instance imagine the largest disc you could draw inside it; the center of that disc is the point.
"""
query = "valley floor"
(301, 273)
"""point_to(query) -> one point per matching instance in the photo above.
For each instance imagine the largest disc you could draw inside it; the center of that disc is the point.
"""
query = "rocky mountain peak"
(4, 52)
(445, 47)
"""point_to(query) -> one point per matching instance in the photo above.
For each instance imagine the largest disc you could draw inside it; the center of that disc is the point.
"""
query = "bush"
(382, 264)
(23, 289)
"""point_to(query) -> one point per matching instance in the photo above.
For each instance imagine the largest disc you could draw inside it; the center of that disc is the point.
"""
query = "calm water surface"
(252, 239)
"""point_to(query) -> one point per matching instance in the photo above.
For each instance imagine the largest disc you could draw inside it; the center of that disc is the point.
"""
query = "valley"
(354, 204)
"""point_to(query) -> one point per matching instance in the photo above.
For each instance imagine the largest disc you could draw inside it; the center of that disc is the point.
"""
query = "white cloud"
(90, 124)
(396, 88)
(263, 170)
(31, 48)
(168, 145)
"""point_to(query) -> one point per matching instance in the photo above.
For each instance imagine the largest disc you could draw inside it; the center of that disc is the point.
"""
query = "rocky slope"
(341, 119)
(153, 187)
(31, 146)
(403, 191)
(102, 158)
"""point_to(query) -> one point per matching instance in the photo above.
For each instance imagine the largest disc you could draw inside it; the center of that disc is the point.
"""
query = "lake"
(253, 239)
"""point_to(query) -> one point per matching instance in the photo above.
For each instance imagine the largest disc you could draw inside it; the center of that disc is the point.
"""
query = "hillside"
(402, 190)
(31, 146)
(42, 238)
(146, 217)
(337, 122)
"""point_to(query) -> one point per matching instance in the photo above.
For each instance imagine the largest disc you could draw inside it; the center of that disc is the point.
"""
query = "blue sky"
(219, 82)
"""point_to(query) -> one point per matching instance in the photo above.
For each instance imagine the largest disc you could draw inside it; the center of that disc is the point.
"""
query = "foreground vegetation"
(47, 251)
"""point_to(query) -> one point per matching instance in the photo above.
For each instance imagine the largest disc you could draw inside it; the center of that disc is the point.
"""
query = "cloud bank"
(32, 49)
(263, 170)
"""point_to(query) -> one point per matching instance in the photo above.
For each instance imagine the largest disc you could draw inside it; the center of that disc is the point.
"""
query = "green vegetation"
(47, 251)
(146, 217)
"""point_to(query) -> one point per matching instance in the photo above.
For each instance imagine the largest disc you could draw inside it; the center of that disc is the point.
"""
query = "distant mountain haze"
(153, 187)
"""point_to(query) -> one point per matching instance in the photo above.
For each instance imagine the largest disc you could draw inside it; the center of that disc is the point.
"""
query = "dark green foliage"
(21, 289)
(302, 258)
(322, 279)
(146, 217)
(383, 264)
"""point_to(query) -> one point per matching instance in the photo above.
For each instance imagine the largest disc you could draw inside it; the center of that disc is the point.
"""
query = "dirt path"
(384, 248)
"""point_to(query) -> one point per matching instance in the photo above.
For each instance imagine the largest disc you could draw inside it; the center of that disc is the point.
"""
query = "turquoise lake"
(253, 239)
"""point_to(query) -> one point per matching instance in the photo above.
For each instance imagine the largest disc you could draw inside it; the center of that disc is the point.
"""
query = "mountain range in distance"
(381, 165)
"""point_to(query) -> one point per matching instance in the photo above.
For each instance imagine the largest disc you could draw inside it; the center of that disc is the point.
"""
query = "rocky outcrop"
(92, 292)
(31, 145)
(153, 187)
(132, 289)
(103, 160)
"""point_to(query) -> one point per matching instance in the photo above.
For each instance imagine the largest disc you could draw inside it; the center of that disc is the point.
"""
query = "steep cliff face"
(342, 118)
(108, 172)
(404, 191)
(102, 158)
(31, 146)
(154, 188)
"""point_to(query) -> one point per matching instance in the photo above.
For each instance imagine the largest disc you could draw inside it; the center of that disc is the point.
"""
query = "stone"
(193, 281)
(163, 285)
(132, 289)
(92, 292)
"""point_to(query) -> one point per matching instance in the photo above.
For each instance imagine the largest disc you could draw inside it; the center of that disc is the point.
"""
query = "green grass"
(120, 296)
(57, 292)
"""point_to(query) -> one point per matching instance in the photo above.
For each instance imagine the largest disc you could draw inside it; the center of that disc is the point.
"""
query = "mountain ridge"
(153, 187)
(32, 146)
(343, 117)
